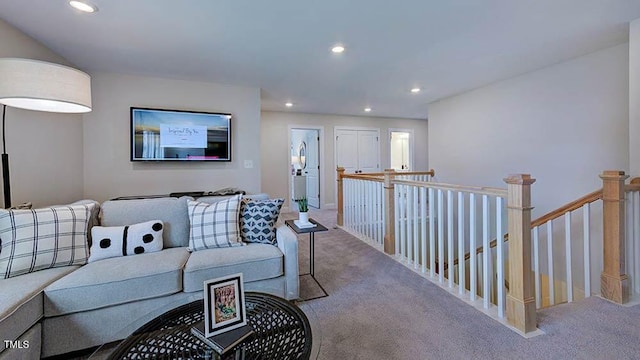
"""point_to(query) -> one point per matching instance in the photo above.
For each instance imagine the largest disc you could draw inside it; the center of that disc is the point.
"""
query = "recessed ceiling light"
(288, 104)
(83, 6)
(367, 109)
(415, 90)
(337, 49)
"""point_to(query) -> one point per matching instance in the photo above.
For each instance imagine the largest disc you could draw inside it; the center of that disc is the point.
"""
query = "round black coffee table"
(281, 331)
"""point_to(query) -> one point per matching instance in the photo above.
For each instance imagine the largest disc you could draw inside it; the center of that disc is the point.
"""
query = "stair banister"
(389, 223)
(614, 283)
(340, 219)
(521, 303)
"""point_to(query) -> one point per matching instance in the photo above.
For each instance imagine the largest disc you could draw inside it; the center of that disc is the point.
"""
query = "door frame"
(411, 146)
(321, 161)
(335, 152)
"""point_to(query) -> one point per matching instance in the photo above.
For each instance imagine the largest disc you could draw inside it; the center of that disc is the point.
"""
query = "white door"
(347, 150)
(401, 149)
(312, 170)
(368, 151)
(357, 150)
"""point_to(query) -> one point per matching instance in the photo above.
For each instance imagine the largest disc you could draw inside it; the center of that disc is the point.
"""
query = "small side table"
(311, 231)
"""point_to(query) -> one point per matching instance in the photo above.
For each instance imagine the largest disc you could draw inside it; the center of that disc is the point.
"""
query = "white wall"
(107, 169)
(634, 98)
(563, 124)
(275, 145)
(45, 149)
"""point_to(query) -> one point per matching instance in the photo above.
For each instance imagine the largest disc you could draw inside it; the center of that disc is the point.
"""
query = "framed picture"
(224, 306)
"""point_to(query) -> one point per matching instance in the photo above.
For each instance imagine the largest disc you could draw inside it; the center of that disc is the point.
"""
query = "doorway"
(357, 150)
(401, 149)
(305, 165)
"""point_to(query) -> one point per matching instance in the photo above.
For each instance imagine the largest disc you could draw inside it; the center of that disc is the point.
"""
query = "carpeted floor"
(378, 309)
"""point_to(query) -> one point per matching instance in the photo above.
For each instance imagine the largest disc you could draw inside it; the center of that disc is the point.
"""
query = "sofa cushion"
(21, 300)
(172, 212)
(258, 220)
(255, 261)
(117, 281)
(40, 239)
(214, 225)
(114, 241)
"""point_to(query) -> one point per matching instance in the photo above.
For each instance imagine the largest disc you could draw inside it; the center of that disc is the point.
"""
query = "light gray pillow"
(171, 211)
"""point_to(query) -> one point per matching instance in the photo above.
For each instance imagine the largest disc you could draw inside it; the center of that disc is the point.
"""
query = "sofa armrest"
(288, 244)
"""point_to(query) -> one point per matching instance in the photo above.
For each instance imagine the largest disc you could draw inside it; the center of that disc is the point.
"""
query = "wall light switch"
(248, 164)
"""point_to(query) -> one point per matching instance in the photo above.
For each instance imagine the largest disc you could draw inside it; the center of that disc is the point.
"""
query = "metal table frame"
(311, 231)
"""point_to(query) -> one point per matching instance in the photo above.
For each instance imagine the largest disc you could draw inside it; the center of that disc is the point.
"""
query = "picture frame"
(224, 304)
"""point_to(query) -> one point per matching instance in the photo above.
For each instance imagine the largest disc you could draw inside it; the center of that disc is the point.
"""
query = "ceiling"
(283, 47)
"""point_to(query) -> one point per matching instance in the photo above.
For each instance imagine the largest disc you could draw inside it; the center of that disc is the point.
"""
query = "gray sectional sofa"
(65, 309)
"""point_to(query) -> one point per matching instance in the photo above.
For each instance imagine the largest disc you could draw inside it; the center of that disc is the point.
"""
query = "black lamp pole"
(5, 164)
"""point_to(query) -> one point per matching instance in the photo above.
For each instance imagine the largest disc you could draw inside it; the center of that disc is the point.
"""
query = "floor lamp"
(40, 86)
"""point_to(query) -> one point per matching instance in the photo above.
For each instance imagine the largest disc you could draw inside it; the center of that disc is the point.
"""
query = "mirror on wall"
(302, 155)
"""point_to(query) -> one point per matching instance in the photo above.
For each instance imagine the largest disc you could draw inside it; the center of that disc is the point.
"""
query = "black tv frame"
(177, 160)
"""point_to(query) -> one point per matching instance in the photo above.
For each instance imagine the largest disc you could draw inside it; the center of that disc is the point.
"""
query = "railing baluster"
(567, 232)
(472, 247)
(410, 216)
(628, 238)
(396, 211)
(440, 237)
(636, 240)
(356, 206)
(461, 247)
(486, 252)
(403, 222)
(416, 226)
(536, 266)
(347, 202)
(361, 196)
(381, 212)
(423, 229)
(374, 211)
(552, 299)
(586, 228)
(432, 232)
(500, 258)
(370, 218)
(450, 237)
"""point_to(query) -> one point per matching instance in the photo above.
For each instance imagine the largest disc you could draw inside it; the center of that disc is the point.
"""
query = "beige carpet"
(378, 309)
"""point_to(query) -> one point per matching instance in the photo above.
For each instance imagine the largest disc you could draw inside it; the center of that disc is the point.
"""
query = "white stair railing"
(364, 208)
(632, 238)
(558, 275)
(431, 231)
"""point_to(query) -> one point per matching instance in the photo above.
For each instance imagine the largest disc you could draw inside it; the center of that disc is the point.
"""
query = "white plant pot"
(304, 217)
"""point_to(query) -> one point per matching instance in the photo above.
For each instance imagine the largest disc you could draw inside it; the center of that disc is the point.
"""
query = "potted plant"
(303, 209)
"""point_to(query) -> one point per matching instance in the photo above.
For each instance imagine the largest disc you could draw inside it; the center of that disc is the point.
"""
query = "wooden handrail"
(574, 205)
(398, 173)
(363, 177)
(475, 189)
(552, 215)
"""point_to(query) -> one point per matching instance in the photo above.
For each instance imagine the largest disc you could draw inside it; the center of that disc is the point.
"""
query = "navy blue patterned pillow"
(258, 220)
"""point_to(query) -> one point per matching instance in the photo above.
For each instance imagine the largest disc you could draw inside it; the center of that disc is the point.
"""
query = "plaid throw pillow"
(258, 220)
(214, 225)
(40, 239)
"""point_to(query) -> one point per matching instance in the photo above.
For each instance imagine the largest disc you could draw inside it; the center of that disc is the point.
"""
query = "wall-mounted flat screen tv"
(178, 135)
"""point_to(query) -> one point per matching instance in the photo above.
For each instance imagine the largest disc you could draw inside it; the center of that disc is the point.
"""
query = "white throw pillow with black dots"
(114, 241)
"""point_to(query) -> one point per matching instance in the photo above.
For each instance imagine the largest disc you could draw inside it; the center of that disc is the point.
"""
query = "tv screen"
(177, 135)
